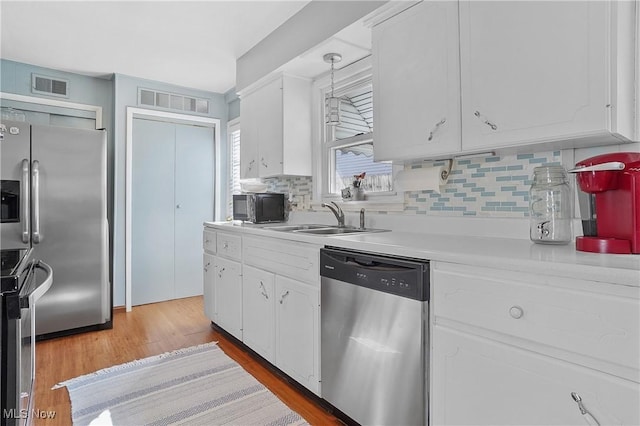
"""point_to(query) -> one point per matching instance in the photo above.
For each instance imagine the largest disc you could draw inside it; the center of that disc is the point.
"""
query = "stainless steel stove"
(20, 290)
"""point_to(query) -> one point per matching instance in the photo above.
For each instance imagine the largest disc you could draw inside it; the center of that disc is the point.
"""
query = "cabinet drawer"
(209, 241)
(572, 315)
(299, 261)
(229, 245)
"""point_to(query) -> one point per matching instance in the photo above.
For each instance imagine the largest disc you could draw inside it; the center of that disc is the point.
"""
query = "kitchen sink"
(289, 228)
(315, 229)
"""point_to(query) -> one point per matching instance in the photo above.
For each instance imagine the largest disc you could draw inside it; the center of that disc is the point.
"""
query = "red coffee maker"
(612, 182)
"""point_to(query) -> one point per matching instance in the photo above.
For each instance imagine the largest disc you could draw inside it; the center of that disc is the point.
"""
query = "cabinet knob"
(516, 312)
(225, 245)
(177, 206)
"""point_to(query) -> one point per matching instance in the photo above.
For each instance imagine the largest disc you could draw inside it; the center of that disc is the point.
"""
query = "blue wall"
(126, 95)
(114, 94)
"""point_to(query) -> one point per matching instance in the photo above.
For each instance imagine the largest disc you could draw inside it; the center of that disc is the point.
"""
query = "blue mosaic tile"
(473, 166)
(524, 156)
(521, 177)
(459, 209)
(447, 209)
(469, 213)
(520, 193)
(421, 200)
(477, 175)
(469, 185)
(503, 209)
(503, 178)
(491, 159)
(438, 204)
(537, 160)
(508, 188)
(485, 169)
(435, 208)
(488, 209)
(460, 194)
(499, 169)
(492, 203)
(488, 194)
(478, 189)
(516, 167)
(469, 199)
(444, 199)
(458, 181)
(463, 162)
(508, 203)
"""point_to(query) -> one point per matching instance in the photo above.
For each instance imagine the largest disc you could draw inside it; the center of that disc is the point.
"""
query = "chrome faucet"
(337, 211)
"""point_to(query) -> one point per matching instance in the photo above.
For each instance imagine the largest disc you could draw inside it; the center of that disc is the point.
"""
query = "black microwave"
(260, 207)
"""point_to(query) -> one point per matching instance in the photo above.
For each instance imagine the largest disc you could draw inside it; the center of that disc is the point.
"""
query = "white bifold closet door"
(172, 194)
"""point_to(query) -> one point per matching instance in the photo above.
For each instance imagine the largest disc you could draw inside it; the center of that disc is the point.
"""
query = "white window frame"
(345, 79)
(232, 127)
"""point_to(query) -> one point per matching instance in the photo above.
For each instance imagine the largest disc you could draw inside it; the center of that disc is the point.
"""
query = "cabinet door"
(258, 311)
(416, 82)
(228, 296)
(479, 381)
(533, 71)
(208, 267)
(249, 132)
(270, 126)
(297, 336)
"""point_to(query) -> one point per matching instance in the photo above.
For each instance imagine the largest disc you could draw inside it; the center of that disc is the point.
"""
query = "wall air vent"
(49, 86)
(172, 101)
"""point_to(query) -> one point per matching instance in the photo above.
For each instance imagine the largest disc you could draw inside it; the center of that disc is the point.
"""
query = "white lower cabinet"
(297, 331)
(510, 348)
(483, 382)
(228, 296)
(258, 311)
(208, 264)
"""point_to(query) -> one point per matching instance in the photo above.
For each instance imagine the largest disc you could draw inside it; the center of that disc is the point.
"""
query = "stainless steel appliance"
(260, 207)
(374, 336)
(20, 292)
(54, 200)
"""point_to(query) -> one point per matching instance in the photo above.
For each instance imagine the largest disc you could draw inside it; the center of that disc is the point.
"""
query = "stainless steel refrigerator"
(54, 199)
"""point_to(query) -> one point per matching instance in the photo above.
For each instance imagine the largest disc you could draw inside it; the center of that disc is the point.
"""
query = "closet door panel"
(153, 206)
(194, 204)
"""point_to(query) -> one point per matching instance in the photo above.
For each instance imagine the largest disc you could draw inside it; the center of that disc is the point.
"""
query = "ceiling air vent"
(172, 101)
(49, 86)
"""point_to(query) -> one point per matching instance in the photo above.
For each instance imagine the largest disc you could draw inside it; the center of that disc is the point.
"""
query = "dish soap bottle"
(550, 206)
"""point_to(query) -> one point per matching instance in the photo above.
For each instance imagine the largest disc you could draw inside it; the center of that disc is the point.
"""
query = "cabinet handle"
(206, 267)
(485, 120)
(437, 126)
(225, 245)
(251, 163)
(263, 163)
(220, 272)
(285, 294)
(587, 415)
(263, 290)
(516, 312)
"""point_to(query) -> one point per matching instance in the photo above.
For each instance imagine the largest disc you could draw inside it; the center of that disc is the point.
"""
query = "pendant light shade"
(332, 103)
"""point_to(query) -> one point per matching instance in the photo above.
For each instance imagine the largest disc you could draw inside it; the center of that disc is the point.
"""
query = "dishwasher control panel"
(400, 276)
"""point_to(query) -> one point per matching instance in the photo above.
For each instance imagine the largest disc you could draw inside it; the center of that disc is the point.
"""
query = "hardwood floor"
(145, 331)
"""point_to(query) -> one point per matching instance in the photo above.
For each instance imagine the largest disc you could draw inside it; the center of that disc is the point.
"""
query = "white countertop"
(499, 253)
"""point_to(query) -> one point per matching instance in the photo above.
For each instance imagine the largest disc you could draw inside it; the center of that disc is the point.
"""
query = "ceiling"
(192, 44)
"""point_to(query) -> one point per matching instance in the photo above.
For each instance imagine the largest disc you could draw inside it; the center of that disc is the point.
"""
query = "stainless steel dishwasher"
(374, 336)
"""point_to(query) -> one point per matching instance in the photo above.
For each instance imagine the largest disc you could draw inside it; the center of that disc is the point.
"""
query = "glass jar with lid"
(550, 206)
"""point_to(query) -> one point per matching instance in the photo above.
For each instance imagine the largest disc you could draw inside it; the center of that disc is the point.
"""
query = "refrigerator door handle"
(37, 237)
(24, 201)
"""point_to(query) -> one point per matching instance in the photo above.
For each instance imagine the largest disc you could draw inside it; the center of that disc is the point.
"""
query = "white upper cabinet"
(416, 82)
(537, 72)
(276, 128)
(474, 76)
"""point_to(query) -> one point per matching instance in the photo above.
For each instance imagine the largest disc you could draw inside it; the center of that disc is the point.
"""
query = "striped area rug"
(199, 385)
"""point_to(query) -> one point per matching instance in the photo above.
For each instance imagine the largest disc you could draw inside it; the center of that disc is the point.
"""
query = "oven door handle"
(24, 201)
(44, 286)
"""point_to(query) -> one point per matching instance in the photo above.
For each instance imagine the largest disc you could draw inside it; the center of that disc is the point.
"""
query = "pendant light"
(333, 103)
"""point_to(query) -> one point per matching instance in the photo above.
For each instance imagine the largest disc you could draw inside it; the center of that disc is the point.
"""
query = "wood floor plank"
(146, 331)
